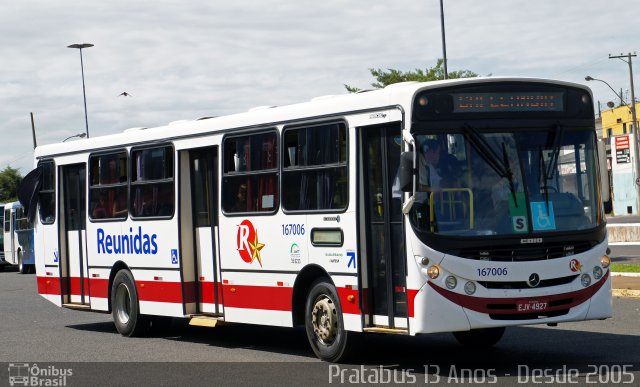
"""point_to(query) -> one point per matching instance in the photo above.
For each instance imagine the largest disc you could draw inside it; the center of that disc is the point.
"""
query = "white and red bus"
(335, 214)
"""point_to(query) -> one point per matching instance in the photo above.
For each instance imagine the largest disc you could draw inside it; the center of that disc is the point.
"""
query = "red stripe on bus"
(257, 297)
(508, 305)
(349, 307)
(156, 291)
(207, 292)
(49, 285)
(411, 299)
(76, 285)
(236, 296)
(99, 287)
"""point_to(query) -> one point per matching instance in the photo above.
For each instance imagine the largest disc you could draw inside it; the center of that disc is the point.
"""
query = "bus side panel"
(340, 260)
(258, 299)
(260, 258)
(47, 261)
(150, 250)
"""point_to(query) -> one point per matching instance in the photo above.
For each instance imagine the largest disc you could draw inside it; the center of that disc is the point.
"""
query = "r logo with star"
(247, 242)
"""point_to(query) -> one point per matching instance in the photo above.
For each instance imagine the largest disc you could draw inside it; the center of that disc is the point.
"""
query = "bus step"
(386, 330)
(205, 321)
(77, 306)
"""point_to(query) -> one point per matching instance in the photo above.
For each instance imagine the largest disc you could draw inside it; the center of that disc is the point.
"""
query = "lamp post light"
(79, 135)
(634, 128)
(80, 46)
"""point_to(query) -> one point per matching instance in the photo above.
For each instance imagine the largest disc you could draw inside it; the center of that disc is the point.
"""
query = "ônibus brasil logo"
(247, 242)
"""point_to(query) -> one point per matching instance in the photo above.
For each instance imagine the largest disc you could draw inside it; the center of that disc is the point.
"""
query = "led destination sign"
(508, 102)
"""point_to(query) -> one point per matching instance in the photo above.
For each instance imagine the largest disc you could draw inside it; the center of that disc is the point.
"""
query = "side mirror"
(405, 172)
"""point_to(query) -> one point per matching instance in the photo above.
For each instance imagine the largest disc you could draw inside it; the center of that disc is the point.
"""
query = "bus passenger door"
(9, 235)
(73, 257)
(199, 229)
(381, 234)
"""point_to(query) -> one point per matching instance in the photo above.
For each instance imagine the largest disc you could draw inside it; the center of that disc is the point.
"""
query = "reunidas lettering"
(132, 243)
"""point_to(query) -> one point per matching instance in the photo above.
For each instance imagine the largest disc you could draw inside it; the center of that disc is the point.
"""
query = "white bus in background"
(18, 238)
(325, 214)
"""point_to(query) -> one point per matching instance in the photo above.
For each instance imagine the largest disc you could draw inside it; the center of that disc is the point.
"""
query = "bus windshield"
(506, 182)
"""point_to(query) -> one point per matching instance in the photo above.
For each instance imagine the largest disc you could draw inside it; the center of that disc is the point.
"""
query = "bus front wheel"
(480, 338)
(124, 305)
(324, 324)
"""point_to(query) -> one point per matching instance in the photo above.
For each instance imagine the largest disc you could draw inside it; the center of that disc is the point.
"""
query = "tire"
(324, 324)
(24, 269)
(125, 308)
(480, 338)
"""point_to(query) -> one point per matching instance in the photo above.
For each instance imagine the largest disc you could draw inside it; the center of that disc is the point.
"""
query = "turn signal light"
(433, 271)
(605, 261)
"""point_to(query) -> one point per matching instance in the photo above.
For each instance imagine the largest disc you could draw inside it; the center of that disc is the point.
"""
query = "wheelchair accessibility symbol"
(174, 256)
(542, 219)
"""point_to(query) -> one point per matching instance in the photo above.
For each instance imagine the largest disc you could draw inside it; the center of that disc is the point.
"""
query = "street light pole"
(636, 167)
(444, 43)
(84, 95)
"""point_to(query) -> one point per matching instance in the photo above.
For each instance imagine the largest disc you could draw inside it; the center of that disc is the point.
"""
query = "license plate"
(532, 306)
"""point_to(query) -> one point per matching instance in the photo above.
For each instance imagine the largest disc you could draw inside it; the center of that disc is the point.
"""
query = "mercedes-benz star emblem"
(534, 280)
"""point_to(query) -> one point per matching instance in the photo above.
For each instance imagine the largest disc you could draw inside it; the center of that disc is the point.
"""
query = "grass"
(624, 268)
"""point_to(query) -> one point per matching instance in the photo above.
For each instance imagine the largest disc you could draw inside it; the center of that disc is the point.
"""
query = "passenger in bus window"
(99, 210)
(119, 208)
(240, 204)
(429, 177)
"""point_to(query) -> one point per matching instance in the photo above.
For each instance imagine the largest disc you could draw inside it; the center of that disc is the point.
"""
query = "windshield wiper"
(547, 171)
(500, 166)
(544, 175)
(555, 151)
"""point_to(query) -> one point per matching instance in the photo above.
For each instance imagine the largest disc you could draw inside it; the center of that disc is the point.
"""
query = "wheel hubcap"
(123, 303)
(324, 319)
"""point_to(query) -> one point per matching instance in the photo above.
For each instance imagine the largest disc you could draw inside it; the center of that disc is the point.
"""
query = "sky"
(188, 59)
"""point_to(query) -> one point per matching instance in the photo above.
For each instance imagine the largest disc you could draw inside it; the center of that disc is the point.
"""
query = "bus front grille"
(519, 253)
(523, 284)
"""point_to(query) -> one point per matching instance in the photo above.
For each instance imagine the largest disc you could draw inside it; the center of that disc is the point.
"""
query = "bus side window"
(152, 182)
(315, 168)
(47, 194)
(108, 186)
(250, 173)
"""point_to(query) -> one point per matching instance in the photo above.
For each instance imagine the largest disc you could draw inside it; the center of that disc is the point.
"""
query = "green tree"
(435, 73)
(10, 179)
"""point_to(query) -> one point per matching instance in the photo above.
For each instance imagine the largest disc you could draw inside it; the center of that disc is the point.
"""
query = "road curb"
(626, 293)
(623, 274)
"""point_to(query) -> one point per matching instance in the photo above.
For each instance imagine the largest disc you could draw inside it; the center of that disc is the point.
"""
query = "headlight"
(451, 282)
(585, 279)
(469, 288)
(597, 272)
(433, 272)
(605, 261)
(424, 261)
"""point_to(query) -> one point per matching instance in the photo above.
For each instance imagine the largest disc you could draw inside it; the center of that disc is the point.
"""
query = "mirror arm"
(409, 139)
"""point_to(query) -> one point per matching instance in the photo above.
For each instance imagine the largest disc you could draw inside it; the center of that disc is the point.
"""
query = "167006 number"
(492, 271)
(293, 229)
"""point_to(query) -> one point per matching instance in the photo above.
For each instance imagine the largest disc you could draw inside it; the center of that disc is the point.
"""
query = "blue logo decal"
(56, 256)
(174, 256)
(132, 243)
(352, 258)
(543, 220)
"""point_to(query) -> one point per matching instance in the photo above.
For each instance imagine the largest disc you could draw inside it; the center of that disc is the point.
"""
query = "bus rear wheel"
(324, 324)
(125, 308)
(480, 338)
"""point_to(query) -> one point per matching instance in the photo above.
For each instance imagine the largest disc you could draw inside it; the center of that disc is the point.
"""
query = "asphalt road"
(34, 331)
